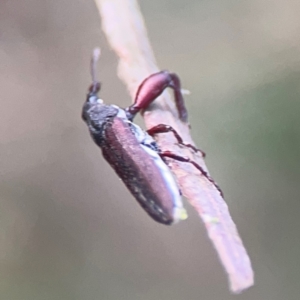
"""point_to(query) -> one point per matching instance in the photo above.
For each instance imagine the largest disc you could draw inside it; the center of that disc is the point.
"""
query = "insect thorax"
(97, 115)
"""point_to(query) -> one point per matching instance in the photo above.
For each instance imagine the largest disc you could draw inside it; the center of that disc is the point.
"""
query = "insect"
(132, 152)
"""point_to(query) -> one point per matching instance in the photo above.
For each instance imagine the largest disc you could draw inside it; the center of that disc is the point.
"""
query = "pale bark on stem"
(125, 30)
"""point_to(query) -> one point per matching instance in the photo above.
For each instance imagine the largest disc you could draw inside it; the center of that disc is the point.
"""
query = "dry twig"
(124, 27)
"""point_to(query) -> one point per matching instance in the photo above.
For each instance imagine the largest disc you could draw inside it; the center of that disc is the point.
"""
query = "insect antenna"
(95, 86)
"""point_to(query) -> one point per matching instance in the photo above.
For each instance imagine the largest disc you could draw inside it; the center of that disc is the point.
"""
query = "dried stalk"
(125, 30)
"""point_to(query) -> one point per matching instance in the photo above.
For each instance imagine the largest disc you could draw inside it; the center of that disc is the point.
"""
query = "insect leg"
(197, 166)
(152, 87)
(163, 128)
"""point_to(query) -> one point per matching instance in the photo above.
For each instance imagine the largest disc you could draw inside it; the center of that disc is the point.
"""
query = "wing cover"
(138, 170)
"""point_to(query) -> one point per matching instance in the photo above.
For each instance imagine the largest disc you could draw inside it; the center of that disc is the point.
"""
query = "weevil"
(132, 152)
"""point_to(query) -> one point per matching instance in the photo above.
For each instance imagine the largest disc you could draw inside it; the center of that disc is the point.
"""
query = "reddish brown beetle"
(132, 152)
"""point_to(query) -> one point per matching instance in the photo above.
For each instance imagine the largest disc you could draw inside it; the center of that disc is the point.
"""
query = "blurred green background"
(69, 229)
